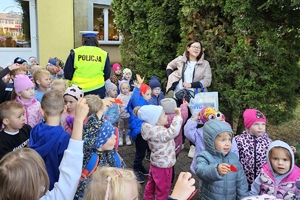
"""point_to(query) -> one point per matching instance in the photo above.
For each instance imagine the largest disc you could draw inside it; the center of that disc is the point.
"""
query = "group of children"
(70, 135)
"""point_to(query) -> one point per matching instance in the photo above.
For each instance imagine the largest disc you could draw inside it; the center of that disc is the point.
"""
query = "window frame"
(106, 6)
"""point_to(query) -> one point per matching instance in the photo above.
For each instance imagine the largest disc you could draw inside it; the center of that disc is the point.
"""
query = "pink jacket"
(178, 138)
(33, 114)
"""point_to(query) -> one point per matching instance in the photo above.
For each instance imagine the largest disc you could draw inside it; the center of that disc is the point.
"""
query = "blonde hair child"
(42, 80)
(26, 167)
(59, 84)
(24, 90)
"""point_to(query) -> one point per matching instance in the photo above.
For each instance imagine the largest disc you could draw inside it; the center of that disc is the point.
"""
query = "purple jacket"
(195, 135)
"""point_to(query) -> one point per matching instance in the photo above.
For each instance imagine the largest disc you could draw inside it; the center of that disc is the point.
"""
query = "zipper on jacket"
(255, 141)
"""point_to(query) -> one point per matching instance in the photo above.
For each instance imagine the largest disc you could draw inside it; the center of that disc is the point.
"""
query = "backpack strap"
(90, 167)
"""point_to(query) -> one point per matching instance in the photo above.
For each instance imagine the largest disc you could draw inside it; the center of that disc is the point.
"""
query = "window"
(15, 24)
(104, 23)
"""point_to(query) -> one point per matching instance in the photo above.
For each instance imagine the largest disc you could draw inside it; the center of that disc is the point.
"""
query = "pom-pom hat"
(251, 116)
(22, 82)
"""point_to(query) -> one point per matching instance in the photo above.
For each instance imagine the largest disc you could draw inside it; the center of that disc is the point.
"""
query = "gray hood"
(211, 129)
(279, 143)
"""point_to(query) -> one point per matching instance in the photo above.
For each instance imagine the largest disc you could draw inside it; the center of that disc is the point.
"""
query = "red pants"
(159, 183)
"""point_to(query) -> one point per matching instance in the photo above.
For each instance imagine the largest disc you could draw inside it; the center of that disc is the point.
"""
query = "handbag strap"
(183, 70)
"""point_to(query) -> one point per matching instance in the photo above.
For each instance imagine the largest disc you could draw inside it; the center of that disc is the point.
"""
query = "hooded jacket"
(155, 100)
(252, 152)
(269, 182)
(50, 142)
(212, 185)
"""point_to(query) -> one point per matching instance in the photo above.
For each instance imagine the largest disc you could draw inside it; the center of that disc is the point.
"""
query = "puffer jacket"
(283, 186)
(135, 124)
(202, 72)
(212, 185)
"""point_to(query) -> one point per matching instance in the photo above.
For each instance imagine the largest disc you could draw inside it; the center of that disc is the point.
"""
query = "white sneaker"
(128, 141)
(120, 141)
(191, 151)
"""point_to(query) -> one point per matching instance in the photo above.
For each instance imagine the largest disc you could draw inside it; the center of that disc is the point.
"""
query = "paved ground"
(182, 164)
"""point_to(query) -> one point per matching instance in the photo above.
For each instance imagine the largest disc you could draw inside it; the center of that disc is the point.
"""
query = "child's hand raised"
(106, 103)
(81, 112)
(139, 79)
(81, 109)
(184, 186)
(223, 168)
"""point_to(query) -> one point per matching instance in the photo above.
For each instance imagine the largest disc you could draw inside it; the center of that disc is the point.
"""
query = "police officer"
(88, 66)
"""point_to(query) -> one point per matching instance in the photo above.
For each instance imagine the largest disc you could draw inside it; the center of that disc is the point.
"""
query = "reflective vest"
(89, 64)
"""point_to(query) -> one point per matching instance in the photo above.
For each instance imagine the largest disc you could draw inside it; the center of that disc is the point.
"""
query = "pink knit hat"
(251, 116)
(22, 82)
(116, 66)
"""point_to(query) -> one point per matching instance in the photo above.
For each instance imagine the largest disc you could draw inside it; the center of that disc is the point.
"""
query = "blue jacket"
(231, 186)
(50, 142)
(156, 100)
(135, 124)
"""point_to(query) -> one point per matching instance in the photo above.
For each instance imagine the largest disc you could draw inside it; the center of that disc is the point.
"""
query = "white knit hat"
(150, 113)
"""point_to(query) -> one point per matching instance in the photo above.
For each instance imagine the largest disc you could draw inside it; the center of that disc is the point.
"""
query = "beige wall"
(114, 53)
(55, 29)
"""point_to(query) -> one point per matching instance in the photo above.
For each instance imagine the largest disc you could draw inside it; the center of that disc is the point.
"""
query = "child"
(99, 139)
(169, 105)
(157, 95)
(48, 138)
(140, 97)
(59, 84)
(253, 143)
(115, 183)
(33, 60)
(15, 134)
(71, 96)
(25, 167)
(54, 68)
(279, 174)
(162, 146)
(7, 87)
(123, 124)
(127, 74)
(42, 80)
(195, 135)
(24, 89)
(112, 113)
(112, 183)
(117, 69)
(220, 172)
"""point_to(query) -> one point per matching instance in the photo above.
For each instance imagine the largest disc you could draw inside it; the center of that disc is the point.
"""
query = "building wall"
(83, 21)
(55, 26)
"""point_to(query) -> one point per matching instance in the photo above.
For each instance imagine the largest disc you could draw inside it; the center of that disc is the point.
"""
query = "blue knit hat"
(104, 134)
(154, 83)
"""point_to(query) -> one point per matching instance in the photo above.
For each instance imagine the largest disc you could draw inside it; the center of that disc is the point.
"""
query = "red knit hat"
(143, 88)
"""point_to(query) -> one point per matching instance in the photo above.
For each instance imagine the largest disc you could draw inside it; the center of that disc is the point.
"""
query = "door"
(18, 31)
